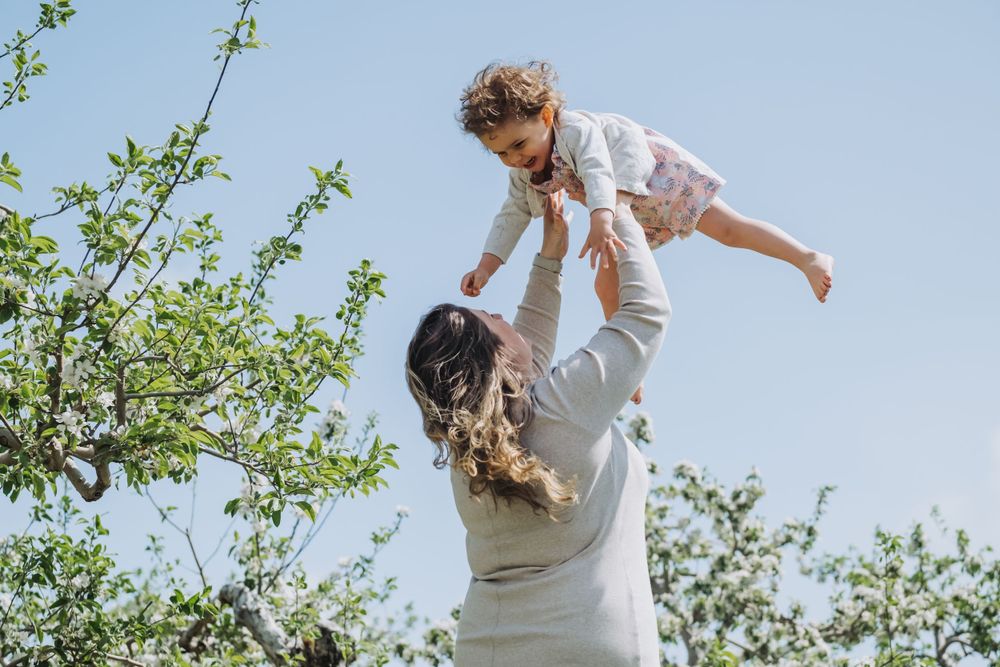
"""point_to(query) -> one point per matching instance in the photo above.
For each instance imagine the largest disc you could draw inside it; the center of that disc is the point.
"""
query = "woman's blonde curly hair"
(501, 93)
(474, 405)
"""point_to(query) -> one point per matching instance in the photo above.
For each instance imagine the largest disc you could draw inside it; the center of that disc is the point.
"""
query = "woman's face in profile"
(516, 346)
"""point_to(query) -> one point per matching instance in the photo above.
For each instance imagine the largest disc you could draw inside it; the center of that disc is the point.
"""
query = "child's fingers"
(621, 244)
(584, 249)
(594, 252)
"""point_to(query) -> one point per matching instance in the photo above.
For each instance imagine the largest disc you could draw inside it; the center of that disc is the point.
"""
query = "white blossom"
(72, 422)
(106, 399)
(76, 370)
(80, 581)
(85, 287)
(344, 562)
(30, 344)
(334, 421)
(402, 510)
(446, 624)
(221, 392)
(688, 469)
(116, 335)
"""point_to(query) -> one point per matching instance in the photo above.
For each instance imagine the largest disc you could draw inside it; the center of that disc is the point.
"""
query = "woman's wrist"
(553, 264)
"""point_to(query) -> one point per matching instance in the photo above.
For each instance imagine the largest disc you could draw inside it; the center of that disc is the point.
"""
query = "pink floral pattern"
(680, 190)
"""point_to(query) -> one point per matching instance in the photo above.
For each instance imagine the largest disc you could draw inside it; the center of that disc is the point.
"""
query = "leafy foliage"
(26, 61)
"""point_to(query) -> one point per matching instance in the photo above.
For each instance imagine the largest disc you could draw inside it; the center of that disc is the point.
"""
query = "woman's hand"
(555, 232)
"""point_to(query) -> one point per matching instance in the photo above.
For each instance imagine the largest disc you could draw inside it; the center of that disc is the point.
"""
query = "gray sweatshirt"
(577, 591)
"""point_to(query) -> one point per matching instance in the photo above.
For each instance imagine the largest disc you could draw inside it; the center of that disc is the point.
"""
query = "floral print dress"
(680, 189)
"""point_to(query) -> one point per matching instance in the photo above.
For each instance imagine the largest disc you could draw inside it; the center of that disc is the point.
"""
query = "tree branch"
(187, 158)
(251, 612)
(88, 491)
(10, 441)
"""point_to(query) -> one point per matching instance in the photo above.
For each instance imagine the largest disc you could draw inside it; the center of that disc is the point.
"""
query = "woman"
(552, 495)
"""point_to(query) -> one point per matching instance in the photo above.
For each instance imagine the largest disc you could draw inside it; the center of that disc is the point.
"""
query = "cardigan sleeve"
(513, 218)
(537, 318)
(631, 158)
(591, 161)
(590, 387)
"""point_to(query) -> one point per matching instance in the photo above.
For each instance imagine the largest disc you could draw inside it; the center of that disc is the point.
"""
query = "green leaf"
(9, 180)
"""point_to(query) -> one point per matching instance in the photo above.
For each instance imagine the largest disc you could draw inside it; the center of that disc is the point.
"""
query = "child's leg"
(606, 286)
(733, 229)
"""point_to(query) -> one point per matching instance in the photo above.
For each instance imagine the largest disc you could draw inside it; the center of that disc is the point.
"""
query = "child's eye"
(519, 144)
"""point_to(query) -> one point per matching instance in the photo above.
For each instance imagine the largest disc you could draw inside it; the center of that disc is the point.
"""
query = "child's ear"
(547, 115)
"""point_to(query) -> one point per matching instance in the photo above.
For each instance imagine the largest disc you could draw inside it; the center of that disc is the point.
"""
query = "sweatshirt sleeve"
(513, 218)
(537, 317)
(592, 163)
(591, 386)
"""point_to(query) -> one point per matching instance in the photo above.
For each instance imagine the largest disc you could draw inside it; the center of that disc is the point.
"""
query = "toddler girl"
(603, 159)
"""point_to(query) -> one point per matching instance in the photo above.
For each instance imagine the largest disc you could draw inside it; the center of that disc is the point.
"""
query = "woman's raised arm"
(537, 318)
(591, 386)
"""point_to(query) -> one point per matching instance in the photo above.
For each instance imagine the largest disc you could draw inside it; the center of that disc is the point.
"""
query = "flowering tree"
(717, 572)
(108, 375)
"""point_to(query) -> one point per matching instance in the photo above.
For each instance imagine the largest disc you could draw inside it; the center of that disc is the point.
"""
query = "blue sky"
(867, 130)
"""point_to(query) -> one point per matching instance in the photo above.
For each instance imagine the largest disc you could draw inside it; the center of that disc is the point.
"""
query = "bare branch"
(186, 532)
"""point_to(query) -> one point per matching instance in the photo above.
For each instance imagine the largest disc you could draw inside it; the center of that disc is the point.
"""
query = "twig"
(187, 535)
(187, 158)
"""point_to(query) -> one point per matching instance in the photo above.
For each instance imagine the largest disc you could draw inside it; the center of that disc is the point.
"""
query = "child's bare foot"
(637, 396)
(819, 270)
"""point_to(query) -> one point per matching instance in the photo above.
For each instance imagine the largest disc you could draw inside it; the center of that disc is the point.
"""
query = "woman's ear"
(547, 115)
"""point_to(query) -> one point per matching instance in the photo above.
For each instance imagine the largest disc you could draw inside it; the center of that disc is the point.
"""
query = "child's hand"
(474, 281)
(602, 240)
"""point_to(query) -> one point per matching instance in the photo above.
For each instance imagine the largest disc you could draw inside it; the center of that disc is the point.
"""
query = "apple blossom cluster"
(87, 287)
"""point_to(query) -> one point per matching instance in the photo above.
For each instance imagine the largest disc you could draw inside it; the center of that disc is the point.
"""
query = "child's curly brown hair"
(502, 93)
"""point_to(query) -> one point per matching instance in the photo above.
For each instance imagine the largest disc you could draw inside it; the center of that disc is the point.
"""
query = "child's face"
(522, 144)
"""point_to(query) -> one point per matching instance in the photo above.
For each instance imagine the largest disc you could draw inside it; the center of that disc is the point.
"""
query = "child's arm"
(508, 226)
